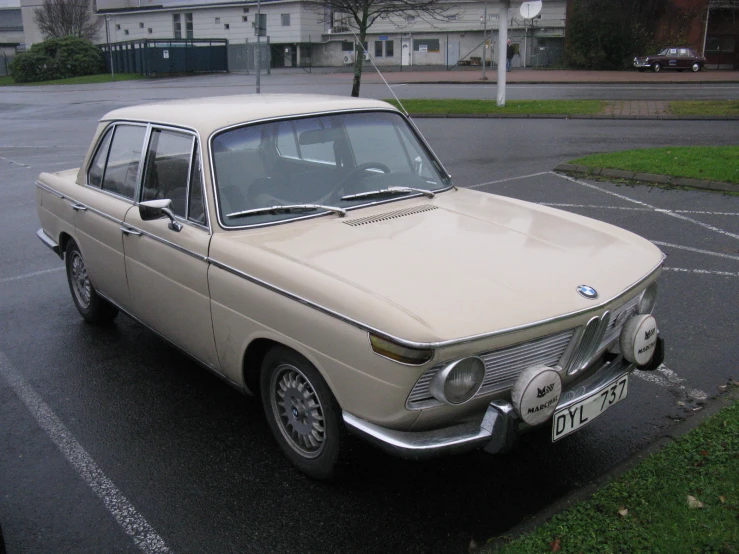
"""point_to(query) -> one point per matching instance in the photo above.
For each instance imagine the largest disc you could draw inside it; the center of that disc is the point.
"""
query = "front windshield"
(341, 160)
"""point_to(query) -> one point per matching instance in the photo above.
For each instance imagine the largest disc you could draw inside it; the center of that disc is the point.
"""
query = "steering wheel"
(346, 183)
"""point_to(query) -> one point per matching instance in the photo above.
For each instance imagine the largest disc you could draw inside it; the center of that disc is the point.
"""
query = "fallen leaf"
(704, 452)
(556, 545)
(623, 512)
(680, 403)
(722, 499)
(693, 502)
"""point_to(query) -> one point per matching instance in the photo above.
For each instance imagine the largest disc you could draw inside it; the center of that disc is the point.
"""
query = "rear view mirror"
(157, 209)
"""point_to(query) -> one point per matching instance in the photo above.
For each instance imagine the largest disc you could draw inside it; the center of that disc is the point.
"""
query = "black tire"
(696, 67)
(657, 67)
(92, 307)
(310, 438)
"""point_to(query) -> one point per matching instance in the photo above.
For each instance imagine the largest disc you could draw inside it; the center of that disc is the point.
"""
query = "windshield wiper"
(388, 190)
(289, 209)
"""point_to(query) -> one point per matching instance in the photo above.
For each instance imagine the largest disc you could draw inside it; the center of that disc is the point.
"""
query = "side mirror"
(157, 209)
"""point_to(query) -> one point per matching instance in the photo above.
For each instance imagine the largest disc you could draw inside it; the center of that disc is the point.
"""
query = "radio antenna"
(364, 50)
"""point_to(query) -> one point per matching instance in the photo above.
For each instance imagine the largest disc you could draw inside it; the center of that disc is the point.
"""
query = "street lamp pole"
(502, 51)
(485, 42)
(259, 48)
(110, 50)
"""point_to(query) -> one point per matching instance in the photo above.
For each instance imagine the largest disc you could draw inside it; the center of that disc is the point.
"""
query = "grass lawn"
(705, 107)
(87, 79)
(712, 163)
(554, 107)
(683, 499)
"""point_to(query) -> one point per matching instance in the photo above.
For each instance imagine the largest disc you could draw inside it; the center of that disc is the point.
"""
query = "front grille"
(619, 316)
(502, 367)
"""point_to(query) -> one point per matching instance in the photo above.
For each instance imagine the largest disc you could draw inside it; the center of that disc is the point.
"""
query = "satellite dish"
(530, 9)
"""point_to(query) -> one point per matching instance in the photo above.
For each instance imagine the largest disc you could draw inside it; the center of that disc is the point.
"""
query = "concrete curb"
(648, 178)
(577, 116)
(727, 398)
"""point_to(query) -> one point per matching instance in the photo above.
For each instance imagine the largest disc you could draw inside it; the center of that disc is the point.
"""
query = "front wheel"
(302, 413)
(696, 67)
(92, 307)
(657, 67)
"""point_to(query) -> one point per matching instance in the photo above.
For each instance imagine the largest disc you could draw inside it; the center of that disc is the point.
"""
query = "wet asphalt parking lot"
(112, 441)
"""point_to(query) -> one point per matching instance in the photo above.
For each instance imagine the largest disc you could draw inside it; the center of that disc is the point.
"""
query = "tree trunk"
(359, 57)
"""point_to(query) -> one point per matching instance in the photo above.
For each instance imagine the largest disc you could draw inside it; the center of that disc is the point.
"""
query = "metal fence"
(5, 61)
(156, 57)
(544, 52)
(243, 57)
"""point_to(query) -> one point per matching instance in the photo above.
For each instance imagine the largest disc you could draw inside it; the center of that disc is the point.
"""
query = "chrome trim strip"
(414, 129)
(48, 241)
(404, 342)
(136, 230)
(50, 190)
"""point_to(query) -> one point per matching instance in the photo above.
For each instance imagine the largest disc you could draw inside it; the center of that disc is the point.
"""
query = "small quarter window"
(196, 203)
(97, 167)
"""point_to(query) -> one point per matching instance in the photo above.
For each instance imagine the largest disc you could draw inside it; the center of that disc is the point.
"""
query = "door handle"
(79, 208)
(129, 231)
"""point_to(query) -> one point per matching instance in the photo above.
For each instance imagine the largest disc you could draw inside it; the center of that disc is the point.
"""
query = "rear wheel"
(92, 307)
(657, 67)
(696, 67)
(302, 413)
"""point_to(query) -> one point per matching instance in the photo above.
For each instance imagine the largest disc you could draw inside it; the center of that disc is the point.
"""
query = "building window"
(285, 19)
(218, 20)
(189, 28)
(347, 46)
(426, 45)
(410, 18)
(141, 25)
(149, 29)
(226, 26)
(117, 27)
(246, 10)
(125, 31)
(389, 49)
(177, 25)
(244, 18)
(378, 49)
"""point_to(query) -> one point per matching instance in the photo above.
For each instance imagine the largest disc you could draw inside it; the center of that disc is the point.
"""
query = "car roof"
(207, 115)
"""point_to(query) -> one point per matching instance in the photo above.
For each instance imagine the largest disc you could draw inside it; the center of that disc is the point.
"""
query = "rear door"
(102, 204)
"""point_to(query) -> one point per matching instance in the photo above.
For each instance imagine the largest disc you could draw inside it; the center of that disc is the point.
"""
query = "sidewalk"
(550, 76)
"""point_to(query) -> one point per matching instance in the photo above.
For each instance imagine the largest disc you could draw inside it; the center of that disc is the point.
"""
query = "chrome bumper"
(47, 240)
(496, 433)
(641, 63)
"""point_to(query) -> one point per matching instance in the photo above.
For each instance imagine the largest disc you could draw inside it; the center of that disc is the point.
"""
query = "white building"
(300, 36)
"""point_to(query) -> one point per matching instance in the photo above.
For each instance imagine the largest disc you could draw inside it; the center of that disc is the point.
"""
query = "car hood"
(459, 265)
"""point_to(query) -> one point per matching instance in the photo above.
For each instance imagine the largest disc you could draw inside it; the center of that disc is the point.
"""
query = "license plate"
(570, 419)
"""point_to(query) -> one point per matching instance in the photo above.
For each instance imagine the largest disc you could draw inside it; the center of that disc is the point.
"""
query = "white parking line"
(27, 275)
(13, 162)
(629, 208)
(658, 210)
(696, 250)
(509, 179)
(133, 523)
(702, 271)
(666, 378)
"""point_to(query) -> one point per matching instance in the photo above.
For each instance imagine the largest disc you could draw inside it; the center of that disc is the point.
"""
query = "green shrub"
(57, 58)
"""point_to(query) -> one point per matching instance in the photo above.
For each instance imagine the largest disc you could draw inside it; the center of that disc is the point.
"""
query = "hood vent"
(389, 215)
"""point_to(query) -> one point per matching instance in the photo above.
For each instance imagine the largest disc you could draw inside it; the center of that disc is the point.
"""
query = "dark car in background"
(671, 58)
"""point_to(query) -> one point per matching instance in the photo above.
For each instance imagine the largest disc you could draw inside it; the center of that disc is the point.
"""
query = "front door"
(167, 265)
(405, 58)
(452, 53)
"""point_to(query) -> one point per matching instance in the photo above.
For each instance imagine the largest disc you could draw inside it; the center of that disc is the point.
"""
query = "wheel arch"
(64, 239)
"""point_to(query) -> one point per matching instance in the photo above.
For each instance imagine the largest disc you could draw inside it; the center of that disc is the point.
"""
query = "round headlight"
(459, 381)
(647, 300)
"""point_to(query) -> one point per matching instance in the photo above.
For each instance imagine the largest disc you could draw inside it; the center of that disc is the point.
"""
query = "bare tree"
(61, 18)
(361, 14)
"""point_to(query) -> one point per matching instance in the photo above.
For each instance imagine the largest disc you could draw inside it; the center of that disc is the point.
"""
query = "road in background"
(195, 459)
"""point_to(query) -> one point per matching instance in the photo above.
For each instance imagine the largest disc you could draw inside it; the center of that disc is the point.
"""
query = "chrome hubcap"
(80, 281)
(298, 411)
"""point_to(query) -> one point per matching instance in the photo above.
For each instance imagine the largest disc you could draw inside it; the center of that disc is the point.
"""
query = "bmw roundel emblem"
(587, 292)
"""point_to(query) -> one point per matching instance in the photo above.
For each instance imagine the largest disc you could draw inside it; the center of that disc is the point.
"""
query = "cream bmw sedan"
(313, 251)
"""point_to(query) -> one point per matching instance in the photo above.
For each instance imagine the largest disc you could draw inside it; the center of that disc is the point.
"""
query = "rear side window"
(122, 167)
